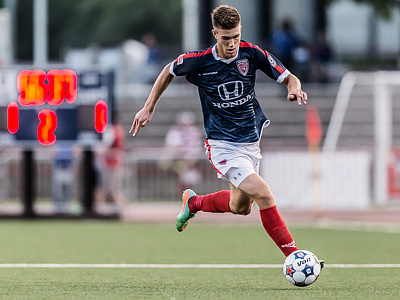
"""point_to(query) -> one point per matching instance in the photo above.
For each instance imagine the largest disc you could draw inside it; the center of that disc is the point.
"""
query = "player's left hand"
(297, 95)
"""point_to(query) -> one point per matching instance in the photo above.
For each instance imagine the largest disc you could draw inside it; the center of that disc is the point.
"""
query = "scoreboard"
(45, 106)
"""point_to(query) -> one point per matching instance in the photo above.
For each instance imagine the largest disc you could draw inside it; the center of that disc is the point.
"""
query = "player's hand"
(299, 96)
(142, 118)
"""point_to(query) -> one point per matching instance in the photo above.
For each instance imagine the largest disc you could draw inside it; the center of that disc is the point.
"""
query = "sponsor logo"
(303, 262)
(180, 59)
(230, 90)
(243, 66)
(290, 245)
(272, 61)
(236, 177)
(233, 103)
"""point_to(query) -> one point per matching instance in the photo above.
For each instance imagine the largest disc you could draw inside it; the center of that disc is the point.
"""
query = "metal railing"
(156, 176)
(148, 176)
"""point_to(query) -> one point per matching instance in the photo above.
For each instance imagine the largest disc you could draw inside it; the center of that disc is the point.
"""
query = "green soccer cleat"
(183, 218)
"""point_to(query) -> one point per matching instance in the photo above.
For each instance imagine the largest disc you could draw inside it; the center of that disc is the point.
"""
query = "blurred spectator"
(323, 56)
(63, 177)
(155, 53)
(295, 54)
(302, 57)
(113, 162)
(184, 142)
(283, 42)
(154, 58)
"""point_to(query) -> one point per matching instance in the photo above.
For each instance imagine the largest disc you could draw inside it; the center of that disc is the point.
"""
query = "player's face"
(227, 41)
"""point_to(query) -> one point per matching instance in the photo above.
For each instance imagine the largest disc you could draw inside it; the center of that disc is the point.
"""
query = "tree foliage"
(77, 23)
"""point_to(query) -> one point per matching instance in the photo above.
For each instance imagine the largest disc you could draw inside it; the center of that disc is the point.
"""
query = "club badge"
(272, 61)
(243, 66)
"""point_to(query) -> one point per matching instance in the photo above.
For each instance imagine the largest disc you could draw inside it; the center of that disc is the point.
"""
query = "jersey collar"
(227, 61)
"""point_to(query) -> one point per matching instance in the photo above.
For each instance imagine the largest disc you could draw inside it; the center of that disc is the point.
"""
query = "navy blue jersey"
(226, 89)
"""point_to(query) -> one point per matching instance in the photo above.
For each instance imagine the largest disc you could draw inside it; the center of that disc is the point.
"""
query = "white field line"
(189, 266)
(359, 226)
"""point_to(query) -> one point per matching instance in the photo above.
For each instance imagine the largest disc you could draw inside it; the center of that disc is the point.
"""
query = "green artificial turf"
(96, 242)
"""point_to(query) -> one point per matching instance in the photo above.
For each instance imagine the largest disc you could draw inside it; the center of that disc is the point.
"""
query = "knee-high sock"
(216, 202)
(277, 230)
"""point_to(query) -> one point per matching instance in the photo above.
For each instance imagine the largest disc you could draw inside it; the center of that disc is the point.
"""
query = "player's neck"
(218, 52)
(217, 55)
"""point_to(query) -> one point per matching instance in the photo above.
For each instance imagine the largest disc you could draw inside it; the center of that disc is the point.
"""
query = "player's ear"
(214, 32)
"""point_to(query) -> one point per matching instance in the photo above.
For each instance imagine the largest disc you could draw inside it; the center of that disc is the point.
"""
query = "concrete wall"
(341, 180)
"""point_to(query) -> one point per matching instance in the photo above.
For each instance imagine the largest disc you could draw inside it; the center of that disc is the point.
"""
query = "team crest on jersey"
(180, 59)
(243, 66)
(272, 61)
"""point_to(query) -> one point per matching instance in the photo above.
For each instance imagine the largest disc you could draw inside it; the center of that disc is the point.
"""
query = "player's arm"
(295, 93)
(273, 68)
(144, 116)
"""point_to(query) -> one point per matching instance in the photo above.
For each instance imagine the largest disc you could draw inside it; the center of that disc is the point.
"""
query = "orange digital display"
(32, 87)
(47, 126)
(62, 85)
(38, 88)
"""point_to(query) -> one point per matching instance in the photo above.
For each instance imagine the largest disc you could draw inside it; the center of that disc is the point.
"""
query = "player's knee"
(265, 200)
(242, 210)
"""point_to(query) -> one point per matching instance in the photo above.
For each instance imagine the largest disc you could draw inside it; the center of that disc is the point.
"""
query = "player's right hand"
(142, 118)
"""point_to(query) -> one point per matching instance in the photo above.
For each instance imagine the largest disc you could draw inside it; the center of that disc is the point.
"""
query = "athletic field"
(117, 260)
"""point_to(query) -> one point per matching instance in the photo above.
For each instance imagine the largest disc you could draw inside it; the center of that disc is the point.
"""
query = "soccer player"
(225, 76)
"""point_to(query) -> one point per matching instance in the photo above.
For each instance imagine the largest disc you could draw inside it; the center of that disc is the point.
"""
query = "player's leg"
(220, 202)
(255, 188)
(241, 203)
(192, 203)
(245, 161)
(259, 191)
(106, 183)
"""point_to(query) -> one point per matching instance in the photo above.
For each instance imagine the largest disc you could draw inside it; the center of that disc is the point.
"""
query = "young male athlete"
(233, 120)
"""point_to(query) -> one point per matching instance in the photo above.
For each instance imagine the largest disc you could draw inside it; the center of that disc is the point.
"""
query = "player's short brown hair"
(225, 17)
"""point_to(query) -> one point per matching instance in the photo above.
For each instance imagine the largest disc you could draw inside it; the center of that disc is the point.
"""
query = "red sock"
(277, 230)
(216, 202)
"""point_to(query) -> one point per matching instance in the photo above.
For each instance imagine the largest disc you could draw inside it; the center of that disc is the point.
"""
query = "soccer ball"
(301, 268)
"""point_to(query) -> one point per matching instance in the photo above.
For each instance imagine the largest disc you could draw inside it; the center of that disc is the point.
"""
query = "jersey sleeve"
(184, 65)
(270, 65)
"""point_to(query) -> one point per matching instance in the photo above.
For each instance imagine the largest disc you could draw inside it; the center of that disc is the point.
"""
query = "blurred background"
(344, 154)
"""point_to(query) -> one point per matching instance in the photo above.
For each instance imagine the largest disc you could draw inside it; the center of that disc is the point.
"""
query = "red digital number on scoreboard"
(100, 116)
(47, 126)
(33, 89)
(36, 88)
(13, 117)
(62, 85)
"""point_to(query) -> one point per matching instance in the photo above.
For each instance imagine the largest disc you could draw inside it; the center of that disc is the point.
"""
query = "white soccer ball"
(301, 268)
